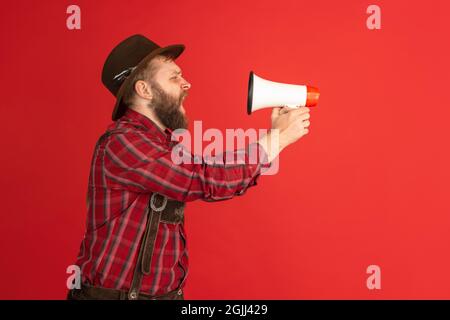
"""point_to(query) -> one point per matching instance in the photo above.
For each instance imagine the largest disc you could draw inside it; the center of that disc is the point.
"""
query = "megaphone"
(263, 93)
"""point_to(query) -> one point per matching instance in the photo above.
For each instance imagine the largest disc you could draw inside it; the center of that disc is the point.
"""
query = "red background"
(368, 185)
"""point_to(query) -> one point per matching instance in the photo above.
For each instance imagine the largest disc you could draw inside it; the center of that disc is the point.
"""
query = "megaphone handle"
(292, 106)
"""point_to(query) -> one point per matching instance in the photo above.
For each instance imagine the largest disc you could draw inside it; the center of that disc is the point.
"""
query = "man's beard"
(167, 108)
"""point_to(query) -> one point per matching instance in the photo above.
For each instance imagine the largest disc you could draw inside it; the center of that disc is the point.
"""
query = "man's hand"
(289, 124)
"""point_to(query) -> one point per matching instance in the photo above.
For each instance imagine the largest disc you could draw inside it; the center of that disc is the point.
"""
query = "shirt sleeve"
(136, 161)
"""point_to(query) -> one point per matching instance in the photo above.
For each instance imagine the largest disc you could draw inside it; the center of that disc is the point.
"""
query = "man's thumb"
(276, 112)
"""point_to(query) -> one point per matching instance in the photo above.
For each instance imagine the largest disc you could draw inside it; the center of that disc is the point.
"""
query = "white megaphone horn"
(263, 93)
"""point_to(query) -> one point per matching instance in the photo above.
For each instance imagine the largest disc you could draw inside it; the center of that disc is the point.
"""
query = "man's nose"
(185, 85)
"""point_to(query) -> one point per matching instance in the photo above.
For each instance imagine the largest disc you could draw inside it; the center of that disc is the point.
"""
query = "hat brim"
(174, 50)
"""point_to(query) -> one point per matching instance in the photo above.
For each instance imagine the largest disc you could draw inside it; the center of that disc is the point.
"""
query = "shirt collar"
(147, 124)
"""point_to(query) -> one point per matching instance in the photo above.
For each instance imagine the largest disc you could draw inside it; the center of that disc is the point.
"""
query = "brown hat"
(127, 58)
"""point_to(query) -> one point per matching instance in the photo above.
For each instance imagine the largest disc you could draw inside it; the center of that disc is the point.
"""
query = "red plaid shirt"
(130, 163)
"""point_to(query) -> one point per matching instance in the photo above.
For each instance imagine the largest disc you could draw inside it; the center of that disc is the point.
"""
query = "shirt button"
(180, 292)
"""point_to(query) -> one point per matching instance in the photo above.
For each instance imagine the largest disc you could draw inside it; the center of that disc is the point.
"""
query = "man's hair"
(145, 74)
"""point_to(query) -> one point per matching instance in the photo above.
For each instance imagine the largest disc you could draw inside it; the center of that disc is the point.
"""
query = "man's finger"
(299, 111)
(303, 116)
(275, 112)
(303, 109)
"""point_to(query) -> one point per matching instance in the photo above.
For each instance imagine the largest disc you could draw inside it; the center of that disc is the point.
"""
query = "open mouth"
(182, 100)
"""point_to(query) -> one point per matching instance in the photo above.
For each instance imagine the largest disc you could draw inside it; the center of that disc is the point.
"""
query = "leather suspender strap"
(151, 236)
(157, 204)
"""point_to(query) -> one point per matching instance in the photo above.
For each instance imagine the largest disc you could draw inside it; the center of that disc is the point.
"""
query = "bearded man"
(134, 245)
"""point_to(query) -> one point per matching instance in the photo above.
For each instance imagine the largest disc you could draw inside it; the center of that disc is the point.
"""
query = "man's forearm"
(273, 143)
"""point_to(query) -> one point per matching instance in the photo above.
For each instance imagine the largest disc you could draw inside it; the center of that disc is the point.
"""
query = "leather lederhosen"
(160, 210)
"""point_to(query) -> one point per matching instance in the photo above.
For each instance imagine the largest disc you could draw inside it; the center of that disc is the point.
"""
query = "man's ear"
(143, 89)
